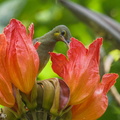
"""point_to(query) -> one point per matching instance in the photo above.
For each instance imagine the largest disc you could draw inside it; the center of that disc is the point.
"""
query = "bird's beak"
(66, 41)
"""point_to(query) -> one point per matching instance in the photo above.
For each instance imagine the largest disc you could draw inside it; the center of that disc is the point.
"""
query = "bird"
(48, 41)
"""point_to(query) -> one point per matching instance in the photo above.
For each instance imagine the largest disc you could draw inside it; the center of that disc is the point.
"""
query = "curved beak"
(66, 41)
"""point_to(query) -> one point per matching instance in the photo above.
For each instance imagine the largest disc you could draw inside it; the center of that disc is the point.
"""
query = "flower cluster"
(81, 95)
(80, 70)
(18, 61)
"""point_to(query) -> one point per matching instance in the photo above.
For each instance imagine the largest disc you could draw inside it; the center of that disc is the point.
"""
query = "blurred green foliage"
(46, 14)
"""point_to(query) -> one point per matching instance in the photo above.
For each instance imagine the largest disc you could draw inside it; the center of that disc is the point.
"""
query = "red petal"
(64, 95)
(36, 45)
(90, 110)
(22, 57)
(31, 29)
(96, 105)
(59, 61)
(6, 93)
(77, 49)
(108, 80)
(81, 70)
(94, 48)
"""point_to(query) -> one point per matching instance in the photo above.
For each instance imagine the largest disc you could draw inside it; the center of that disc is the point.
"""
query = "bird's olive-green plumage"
(48, 41)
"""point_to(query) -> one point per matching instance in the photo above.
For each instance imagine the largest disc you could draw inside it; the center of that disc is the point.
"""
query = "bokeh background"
(46, 14)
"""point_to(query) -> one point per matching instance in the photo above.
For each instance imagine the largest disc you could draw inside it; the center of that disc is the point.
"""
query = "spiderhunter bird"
(48, 41)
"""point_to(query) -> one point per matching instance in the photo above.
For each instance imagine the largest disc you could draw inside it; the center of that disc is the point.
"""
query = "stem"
(42, 115)
(45, 115)
(53, 118)
(23, 119)
(34, 115)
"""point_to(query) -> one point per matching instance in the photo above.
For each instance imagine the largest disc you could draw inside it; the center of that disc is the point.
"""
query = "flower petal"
(59, 62)
(108, 80)
(22, 58)
(6, 93)
(81, 70)
(96, 105)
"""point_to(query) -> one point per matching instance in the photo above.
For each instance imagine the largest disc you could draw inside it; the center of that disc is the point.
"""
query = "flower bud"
(53, 96)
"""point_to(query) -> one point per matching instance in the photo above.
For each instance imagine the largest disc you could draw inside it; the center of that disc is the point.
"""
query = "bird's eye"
(63, 33)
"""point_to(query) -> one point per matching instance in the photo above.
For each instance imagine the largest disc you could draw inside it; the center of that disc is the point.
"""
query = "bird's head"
(62, 33)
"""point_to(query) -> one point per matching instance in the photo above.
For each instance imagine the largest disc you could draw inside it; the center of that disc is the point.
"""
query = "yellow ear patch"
(56, 34)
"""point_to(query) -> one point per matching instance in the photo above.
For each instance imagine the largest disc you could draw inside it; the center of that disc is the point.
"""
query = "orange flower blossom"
(80, 70)
(21, 59)
(6, 93)
(96, 104)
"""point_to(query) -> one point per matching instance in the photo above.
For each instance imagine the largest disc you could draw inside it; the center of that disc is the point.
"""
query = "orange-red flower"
(95, 105)
(6, 93)
(80, 70)
(21, 59)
